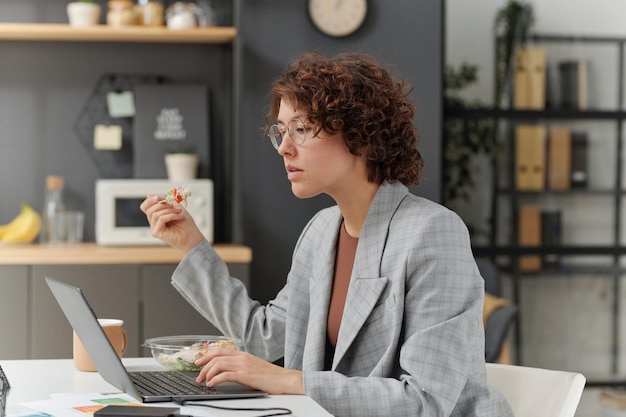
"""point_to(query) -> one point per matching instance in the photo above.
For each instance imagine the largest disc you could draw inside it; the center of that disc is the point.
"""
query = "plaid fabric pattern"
(411, 341)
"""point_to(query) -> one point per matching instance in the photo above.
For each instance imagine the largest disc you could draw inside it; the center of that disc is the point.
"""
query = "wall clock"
(337, 18)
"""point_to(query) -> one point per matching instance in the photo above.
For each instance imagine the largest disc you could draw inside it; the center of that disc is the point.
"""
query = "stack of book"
(529, 81)
(554, 160)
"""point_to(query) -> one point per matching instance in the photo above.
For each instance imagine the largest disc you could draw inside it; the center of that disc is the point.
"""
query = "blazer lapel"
(366, 284)
(321, 284)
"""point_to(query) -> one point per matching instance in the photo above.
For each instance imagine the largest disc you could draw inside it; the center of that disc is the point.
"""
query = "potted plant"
(181, 164)
(83, 13)
(470, 144)
(512, 26)
(464, 138)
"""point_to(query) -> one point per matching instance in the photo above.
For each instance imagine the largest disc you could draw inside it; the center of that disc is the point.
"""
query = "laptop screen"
(82, 318)
(4, 392)
(85, 323)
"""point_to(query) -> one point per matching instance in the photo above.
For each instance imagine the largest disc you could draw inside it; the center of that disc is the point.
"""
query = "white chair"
(536, 392)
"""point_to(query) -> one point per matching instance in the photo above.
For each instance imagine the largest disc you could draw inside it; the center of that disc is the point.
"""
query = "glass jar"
(181, 15)
(206, 13)
(121, 13)
(53, 231)
(150, 13)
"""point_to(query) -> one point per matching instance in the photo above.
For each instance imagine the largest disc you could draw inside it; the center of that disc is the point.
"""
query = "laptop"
(145, 386)
(4, 392)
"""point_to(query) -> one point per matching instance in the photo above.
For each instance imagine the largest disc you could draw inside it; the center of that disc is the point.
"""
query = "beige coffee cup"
(116, 334)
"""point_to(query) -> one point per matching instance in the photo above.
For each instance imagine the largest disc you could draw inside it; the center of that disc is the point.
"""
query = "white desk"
(33, 380)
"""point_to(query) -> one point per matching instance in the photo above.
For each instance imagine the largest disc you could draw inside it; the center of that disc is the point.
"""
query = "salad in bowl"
(178, 353)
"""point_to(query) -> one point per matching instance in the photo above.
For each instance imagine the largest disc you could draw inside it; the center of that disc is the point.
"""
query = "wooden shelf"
(104, 33)
(608, 250)
(91, 253)
(546, 114)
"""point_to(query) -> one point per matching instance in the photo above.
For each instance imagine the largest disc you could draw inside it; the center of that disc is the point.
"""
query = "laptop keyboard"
(168, 383)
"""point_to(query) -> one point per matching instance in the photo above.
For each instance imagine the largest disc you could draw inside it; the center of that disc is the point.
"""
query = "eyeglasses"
(295, 128)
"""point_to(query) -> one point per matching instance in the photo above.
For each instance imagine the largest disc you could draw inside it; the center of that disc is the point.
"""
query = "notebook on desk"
(145, 386)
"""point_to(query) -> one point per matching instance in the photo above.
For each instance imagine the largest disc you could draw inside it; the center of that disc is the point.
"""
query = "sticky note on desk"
(107, 137)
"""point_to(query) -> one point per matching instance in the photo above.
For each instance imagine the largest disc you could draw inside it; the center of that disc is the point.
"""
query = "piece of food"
(183, 360)
(24, 228)
(178, 195)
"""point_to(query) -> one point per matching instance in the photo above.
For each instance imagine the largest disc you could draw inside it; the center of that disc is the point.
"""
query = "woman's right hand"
(171, 223)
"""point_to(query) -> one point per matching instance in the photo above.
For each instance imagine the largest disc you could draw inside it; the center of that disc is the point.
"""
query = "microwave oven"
(120, 221)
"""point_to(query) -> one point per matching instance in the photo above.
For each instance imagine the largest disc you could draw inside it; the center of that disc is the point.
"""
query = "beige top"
(346, 251)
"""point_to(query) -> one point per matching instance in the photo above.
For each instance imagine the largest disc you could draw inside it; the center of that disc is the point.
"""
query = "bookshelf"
(502, 243)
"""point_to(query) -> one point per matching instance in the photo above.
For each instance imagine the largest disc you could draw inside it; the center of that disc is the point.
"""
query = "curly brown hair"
(354, 95)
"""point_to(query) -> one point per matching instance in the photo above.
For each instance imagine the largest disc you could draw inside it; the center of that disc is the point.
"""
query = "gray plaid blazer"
(411, 341)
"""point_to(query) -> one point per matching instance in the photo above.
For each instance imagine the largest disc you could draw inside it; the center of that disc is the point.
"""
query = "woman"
(381, 313)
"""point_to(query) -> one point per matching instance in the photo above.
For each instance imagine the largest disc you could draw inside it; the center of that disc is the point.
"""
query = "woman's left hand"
(228, 365)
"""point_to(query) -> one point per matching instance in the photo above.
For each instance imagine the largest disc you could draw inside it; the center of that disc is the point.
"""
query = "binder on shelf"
(529, 84)
(579, 172)
(573, 81)
(529, 235)
(551, 236)
(530, 157)
(559, 158)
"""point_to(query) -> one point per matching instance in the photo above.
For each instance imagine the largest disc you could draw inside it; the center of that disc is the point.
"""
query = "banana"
(24, 228)
(6, 227)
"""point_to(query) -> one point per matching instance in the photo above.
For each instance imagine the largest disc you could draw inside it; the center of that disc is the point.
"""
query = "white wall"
(469, 28)
(566, 319)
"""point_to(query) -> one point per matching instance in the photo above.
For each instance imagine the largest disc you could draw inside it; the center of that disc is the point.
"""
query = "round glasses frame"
(295, 128)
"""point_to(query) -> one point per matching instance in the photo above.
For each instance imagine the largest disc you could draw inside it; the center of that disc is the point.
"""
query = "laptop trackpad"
(225, 387)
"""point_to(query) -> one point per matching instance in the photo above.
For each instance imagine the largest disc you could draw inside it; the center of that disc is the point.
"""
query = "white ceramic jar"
(82, 14)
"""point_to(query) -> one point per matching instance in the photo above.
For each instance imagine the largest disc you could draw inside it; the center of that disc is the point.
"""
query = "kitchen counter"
(132, 283)
(91, 253)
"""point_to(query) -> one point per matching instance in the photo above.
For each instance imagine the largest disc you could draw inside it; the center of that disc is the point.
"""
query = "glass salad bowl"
(178, 353)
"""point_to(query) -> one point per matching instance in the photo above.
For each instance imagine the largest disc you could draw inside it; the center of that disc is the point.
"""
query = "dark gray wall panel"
(44, 84)
(406, 34)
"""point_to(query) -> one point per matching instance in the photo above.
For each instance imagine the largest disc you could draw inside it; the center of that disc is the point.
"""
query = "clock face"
(337, 17)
